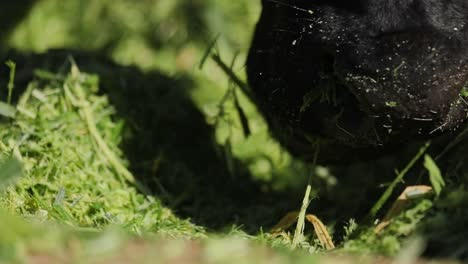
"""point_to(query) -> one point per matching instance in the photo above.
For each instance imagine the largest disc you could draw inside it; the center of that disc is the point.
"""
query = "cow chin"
(327, 76)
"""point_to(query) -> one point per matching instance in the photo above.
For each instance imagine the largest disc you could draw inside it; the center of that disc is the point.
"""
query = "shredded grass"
(74, 170)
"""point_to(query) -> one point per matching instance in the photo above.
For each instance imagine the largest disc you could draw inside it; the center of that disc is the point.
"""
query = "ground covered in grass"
(117, 146)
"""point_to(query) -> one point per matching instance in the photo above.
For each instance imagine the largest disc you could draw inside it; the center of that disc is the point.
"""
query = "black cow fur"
(359, 76)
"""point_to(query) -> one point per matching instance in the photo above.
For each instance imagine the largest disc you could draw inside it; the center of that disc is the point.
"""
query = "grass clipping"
(66, 136)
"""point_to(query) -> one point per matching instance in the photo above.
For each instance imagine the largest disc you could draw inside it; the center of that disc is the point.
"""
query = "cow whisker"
(290, 6)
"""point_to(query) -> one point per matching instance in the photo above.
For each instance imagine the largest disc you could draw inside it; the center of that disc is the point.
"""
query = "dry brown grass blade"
(319, 228)
(286, 222)
(321, 231)
(411, 192)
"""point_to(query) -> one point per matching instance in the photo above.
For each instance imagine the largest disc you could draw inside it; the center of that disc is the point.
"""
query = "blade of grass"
(388, 192)
(241, 84)
(242, 116)
(299, 232)
(11, 81)
(208, 51)
(435, 176)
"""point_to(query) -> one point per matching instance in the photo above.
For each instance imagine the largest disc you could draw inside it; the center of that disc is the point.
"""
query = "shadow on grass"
(172, 150)
(170, 146)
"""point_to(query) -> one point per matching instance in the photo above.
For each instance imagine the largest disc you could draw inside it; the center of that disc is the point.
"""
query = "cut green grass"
(74, 171)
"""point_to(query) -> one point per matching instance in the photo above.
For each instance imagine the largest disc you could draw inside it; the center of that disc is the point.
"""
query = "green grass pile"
(66, 136)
